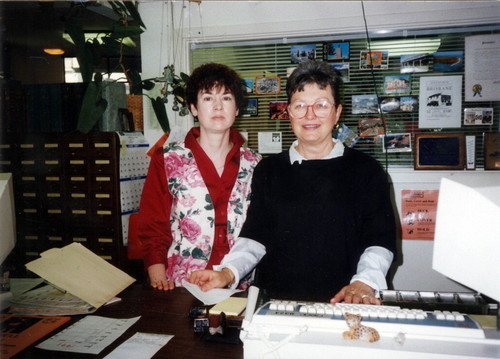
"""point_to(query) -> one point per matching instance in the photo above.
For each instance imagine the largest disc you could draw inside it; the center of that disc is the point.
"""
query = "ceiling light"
(54, 51)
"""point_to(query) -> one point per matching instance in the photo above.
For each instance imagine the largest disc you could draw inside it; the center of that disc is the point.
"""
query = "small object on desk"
(230, 306)
(357, 331)
(18, 332)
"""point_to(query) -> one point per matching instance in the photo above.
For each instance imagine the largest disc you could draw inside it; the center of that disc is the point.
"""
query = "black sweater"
(316, 219)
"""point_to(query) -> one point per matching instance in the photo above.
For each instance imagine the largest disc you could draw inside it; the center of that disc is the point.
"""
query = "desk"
(162, 313)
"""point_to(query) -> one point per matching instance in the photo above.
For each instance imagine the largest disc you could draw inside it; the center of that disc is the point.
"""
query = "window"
(271, 58)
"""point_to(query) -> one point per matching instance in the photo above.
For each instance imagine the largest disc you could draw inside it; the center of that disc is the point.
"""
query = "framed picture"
(302, 53)
(336, 51)
(439, 151)
(408, 103)
(251, 109)
(267, 85)
(492, 151)
(400, 142)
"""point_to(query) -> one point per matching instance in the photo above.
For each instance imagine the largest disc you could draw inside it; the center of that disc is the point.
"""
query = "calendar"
(134, 163)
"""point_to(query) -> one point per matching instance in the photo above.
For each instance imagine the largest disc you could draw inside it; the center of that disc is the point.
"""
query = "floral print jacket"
(192, 214)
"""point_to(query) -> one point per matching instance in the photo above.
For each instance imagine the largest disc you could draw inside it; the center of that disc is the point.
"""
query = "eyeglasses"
(319, 108)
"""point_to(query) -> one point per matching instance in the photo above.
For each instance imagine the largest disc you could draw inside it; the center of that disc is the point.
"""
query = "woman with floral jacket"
(197, 192)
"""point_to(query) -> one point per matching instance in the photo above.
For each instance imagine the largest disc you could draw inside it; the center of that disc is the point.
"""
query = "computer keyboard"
(289, 316)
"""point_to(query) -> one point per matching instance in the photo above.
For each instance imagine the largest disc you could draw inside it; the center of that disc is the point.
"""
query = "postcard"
(343, 68)
(370, 127)
(277, 110)
(377, 60)
(302, 53)
(399, 142)
(445, 61)
(251, 109)
(478, 116)
(362, 104)
(414, 63)
(336, 51)
(395, 84)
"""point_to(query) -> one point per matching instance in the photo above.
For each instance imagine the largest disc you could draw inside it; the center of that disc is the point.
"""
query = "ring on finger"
(366, 296)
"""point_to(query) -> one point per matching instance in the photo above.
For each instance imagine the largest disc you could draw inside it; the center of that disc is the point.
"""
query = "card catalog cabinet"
(67, 189)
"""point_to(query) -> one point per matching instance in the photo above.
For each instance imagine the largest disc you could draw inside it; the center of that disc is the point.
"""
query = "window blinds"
(268, 58)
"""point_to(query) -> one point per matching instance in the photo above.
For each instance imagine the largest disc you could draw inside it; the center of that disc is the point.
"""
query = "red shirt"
(156, 201)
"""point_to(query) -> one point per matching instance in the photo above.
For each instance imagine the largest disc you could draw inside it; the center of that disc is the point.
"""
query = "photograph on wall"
(370, 127)
(399, 142)
(440, 102)
(270, 142)
(267, 85)
(251, 109)
(414, 63)
(362, 104)
(418, 212)
(478, 116)
(277, 110)
(346, 135)
(396, 84)
(390, 104)
(336, 51)
(408, 103)
(302, 53)
(446, 61)
(343, 68)
(482, 78)
(249, 83)
(377, 60)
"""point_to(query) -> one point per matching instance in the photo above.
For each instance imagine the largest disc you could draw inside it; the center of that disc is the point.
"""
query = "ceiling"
(34, 25)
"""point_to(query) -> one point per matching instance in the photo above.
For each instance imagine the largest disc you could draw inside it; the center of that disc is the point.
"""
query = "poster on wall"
(482, 78)
(418, 211)
(440, 102)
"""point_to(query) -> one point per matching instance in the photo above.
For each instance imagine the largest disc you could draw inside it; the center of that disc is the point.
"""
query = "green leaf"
(197, 253)
(132, 9)
(148, 85)
(161, 113)
(184, 77)
(93, 106)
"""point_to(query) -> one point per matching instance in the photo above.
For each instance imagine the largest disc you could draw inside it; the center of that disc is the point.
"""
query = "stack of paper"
(84, 280)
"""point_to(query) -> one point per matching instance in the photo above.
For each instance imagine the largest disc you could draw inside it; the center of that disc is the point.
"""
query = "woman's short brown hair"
(208, 76)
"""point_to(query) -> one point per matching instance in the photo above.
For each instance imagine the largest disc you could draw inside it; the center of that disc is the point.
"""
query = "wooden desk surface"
(161, 313)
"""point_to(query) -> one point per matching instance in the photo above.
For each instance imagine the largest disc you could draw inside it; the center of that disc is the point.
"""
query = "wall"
(173, 26)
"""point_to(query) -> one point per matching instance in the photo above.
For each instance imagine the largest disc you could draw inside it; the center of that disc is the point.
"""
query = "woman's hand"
(207, 279)
(158, 279)
(356, 292)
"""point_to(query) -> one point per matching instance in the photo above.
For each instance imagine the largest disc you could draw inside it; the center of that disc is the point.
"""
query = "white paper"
(270, 142)
(140, 346)
(89, 335)
(213, 296)
(440, 102)
(482, 77)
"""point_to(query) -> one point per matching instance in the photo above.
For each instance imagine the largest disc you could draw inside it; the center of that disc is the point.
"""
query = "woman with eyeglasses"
(322, 210)
(197, 192)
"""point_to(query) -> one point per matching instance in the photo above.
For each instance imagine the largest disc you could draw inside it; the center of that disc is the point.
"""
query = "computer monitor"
(7, 216)
(467, 235)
